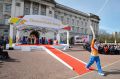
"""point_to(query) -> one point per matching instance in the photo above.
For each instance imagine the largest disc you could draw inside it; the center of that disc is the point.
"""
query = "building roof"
(70, 9)
(94, 16)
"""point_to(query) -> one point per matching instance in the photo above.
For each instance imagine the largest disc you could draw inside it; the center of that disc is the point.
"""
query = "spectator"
(106, 49)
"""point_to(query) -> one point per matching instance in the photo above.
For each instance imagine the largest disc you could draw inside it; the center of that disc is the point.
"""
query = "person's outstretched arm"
(92, 44)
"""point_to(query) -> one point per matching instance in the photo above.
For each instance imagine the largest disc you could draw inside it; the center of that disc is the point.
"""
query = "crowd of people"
(34, 40)
(105, 48)
(3, 42)
(109, 49)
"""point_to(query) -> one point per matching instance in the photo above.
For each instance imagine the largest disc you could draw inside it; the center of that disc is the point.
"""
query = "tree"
(103, 35)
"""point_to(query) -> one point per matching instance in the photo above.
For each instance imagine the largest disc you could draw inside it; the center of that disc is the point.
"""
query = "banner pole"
(11, 37)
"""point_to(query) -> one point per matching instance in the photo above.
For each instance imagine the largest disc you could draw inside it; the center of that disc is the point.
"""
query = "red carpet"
(77, 66)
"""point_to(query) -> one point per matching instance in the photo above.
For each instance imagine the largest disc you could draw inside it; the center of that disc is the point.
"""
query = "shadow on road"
(113, 71)
(10, 60)
(2, 61)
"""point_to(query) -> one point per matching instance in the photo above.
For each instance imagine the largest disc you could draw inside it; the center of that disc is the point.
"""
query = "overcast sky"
(107, 10)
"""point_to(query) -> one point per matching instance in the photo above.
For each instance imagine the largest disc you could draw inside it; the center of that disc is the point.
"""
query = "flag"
(67, 28)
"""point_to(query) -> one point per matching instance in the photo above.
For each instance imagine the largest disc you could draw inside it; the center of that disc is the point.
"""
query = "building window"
(62, 18)
(80, 18)
(83, 19)
(43, 9)
(1, 21)
(1, 8)
(82, 23)
(55, 16)
(77, 22)
(6, 19)
(78, 29)
(18, 4)
(68, 20)
(73, 21)
(5, 30)
(27, 11)
(73, 28)
(85, 24)
(1, 0)
(6, 0)
(85, 31)
(27, 8)
(7, 7)
(50, 12)
(81, 30)
(35, 8)
(1, 18)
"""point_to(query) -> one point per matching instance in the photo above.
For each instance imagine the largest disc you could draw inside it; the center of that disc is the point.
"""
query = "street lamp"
(115, 37)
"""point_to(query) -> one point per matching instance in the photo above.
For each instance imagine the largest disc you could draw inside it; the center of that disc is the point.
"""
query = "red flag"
(67, 28)
(20, 16)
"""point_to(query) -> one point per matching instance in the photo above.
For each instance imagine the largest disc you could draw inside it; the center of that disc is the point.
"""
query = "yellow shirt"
(94, 49)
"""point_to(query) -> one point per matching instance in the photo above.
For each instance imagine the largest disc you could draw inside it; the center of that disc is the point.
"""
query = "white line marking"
(110, 64)
(81, 75)
(49, 52)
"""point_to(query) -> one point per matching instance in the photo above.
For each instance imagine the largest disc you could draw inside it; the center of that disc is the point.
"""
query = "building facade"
(5, 14)
(77, 20)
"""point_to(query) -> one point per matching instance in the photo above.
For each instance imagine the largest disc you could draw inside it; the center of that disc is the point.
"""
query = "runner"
(95, 57)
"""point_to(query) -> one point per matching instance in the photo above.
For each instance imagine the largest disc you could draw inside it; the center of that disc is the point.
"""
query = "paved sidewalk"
(38, 64)
(33, 65)
(110, 64)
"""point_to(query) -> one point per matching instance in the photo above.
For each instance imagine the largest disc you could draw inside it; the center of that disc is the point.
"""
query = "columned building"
(77, 20)
(5, 14)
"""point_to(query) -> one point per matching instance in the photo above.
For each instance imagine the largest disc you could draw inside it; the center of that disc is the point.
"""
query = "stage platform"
(29, 47)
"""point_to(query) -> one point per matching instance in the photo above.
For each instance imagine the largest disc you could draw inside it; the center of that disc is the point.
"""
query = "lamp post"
(115, 37)
(105, 41)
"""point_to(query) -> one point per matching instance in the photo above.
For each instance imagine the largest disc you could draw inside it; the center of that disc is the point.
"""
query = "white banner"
(43, 21)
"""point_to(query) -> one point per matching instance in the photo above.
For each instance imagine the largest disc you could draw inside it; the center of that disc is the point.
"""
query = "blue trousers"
(97, 60)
